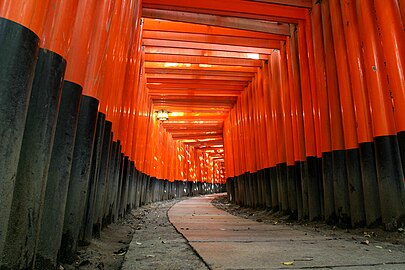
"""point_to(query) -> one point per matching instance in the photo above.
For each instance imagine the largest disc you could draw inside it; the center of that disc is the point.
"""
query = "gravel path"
(156, 244)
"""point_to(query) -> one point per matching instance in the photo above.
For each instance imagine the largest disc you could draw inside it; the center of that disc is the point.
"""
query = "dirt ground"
(364, 236)
(157, 245)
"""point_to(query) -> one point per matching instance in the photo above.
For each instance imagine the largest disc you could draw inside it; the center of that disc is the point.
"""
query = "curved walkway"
(225, 241)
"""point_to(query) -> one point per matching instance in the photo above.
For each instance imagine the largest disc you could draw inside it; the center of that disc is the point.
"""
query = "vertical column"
(388, 161)
(322, 89)
(104, 179)
(309, 105)
(92, 192)
(349, 120)
(298, 140)
(362, 111)
(86, 126)
(276, 100)
(18, 57)
(288, 129)
(391, 28)
(340, 186)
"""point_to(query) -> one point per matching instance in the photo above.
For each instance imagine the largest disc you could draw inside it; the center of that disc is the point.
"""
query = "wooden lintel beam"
(212, 39)
(192, 86)
(296, 3)
(198, 72)
(196, 77)
(195, 81)
(191, 28)
(243, 9)
(206, 60)
(200, 67)
(177, 94)
(221, 21)
(199, 52)
(203, 46)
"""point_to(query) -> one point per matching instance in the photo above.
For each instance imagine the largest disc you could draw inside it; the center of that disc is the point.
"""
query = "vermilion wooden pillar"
(348, 117)
(388, 162)
(362, 111)
(322, 95)
(340, 187)
(391, 28)
(21, 25)
(86, 128)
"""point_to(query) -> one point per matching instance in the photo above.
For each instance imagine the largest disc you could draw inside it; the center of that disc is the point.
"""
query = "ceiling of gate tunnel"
(201, 55)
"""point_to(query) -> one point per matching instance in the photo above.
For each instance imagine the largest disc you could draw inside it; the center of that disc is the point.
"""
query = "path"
(225, 241)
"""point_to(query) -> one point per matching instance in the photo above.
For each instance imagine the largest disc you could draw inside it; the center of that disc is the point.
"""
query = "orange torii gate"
(295, 105)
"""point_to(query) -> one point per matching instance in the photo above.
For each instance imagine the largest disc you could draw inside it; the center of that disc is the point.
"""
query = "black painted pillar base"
(356, 197)
(304, 189)
(299, 189)
(314, 193)
(79, 178)
(370, 184)
(274, 189)
(102, 197)
(390, 181)
(58, 178)
(292, 191)
(108, 204)
(401, 144)
(283, 187)
(341, 189)
(87, 229)
(32, 174)
(267, 185)
(328, 193)
(18, 58)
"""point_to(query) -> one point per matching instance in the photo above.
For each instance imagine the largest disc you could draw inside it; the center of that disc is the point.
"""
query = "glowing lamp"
(163, 115)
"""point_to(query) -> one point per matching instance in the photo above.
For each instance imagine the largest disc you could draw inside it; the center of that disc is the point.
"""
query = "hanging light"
(162, 115)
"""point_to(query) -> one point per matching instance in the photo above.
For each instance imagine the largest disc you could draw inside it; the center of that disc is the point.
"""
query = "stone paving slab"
(225, 241)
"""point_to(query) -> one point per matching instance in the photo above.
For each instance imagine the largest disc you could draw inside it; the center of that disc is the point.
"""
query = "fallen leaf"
(287, 263)
(365, 242)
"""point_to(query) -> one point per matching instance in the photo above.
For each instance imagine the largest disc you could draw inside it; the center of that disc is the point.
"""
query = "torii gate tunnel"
(293, 105)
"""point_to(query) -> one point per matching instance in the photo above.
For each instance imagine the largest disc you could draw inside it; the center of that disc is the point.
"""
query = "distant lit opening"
(162, 115)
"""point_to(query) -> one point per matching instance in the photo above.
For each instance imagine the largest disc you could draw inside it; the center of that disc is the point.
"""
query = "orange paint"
(296, 75)
(79, 53)
(275, 96)
(356, 67)
(393, 43)
(57, 34)
(375, 73)
(336, 126)
(322, 90)
(345, 89)
(31, 13)
(307, 105)
(286, 106)
(314, 90)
